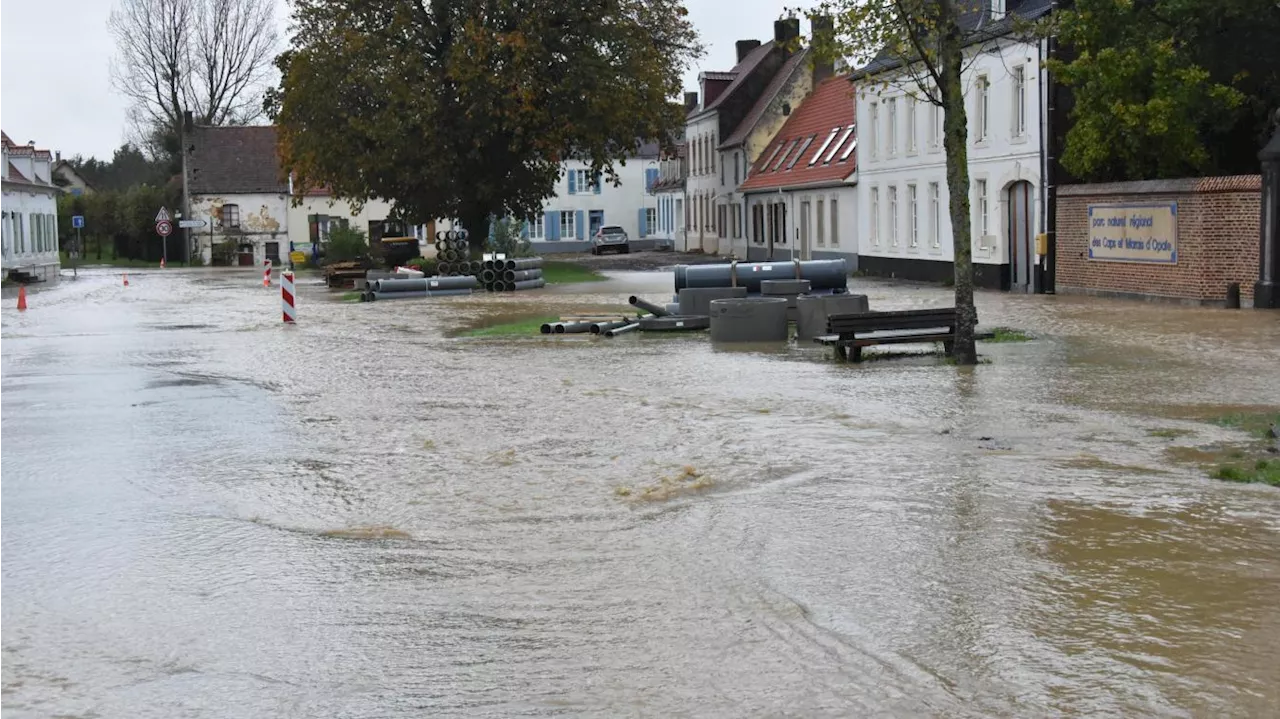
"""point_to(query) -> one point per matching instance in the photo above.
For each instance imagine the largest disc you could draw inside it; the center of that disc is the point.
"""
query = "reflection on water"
(208, 514)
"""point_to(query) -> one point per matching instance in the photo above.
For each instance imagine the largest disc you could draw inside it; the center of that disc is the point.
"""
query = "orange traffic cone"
(162, 263)
(22, 297)
(126, 279)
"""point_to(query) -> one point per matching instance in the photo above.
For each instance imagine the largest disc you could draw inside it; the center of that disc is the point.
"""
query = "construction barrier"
(287, 297)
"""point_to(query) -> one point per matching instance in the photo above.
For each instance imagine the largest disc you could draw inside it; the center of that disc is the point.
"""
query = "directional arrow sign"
(192, 223)
(162, 215)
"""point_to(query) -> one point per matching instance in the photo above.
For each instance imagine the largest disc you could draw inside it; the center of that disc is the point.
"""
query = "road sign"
(192, 223)
(77, 221)
(162, 216)
(164, 228)
(297, 258)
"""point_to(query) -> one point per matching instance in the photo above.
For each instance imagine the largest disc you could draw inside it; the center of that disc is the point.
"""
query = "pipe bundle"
(453, 254)
(399, 289)
(511, 275)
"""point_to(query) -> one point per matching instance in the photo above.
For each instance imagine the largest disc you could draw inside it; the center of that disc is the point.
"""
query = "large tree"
(466, 108)
(1168, 88)
(921, 47)
(212, 57)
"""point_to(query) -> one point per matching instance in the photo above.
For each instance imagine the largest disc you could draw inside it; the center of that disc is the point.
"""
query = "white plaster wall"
(27, 203)
(620, 205)
(263, 218)
(1001, 160)
(703, 183)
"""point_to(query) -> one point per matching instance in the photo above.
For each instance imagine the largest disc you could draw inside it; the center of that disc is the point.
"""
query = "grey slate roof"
(975, 20)
(749, 123)
(741, 72)
(229, 160)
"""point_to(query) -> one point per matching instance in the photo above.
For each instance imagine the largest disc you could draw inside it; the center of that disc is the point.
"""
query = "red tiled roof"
(748, 123)
(828, 107)
(740, 73)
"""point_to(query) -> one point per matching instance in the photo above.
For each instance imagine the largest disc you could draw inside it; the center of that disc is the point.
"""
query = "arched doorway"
(1020, 223)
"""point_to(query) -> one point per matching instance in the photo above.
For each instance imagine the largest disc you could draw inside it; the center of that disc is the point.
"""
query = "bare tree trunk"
(476, 223)
(956, 145)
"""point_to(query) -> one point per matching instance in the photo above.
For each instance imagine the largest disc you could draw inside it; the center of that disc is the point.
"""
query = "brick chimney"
(690, 102)
(744, 47)
(823, 34)
(784, 31)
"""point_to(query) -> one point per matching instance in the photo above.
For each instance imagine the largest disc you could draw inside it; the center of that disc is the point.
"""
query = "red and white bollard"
(266, 273)
(162, 263)
(287, 297)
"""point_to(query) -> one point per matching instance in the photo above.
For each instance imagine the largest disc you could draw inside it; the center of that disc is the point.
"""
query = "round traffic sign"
(164, 228)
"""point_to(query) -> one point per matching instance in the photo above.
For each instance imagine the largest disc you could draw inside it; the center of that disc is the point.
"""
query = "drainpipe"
(1049, 150)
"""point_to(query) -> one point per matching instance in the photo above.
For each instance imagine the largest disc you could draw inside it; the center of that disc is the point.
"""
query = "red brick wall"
(1217, 238)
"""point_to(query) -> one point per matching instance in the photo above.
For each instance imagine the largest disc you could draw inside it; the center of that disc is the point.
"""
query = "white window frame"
(911, 125)
(537, 227)
(875, 130)
(651, 219)
(1020, 101)
(982, 100)
(222, 216)
(875, 217)
(935, 209)
(839, 143)
(572, 232)
(913, 207)
(892, 119)
(814, 160)
(981, 204)
(820, 227)
(893, 215)
(835, 222)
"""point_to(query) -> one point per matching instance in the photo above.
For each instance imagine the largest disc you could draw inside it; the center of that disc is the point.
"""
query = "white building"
(801, 194)
(904, 226)
(731, 100)
(668, 191)
(29, 231)
(584, 203)
(234, 182)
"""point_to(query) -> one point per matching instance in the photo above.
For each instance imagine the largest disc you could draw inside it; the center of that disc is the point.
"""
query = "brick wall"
(1217, 239)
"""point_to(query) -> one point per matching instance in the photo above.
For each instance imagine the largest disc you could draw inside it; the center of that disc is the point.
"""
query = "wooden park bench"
(849, 333)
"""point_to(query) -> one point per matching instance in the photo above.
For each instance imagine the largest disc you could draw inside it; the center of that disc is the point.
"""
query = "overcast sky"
(55, 57)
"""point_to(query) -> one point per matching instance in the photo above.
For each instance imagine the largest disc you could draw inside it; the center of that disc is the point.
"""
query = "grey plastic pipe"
(822, 274)
(648, 306)
(620, 330)
(527, 284)
(527, 263)
(521, 275)
(572, 327)
(601, 327)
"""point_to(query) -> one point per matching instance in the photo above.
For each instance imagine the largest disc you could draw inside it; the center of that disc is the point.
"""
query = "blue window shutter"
(573, 180)
(596, 186)
(640, 221)
(524, 230)
(551, 225)
(650, 177)
(577, 224)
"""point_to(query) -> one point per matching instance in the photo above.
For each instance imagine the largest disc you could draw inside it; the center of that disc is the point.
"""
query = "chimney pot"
(744, 47)
(690, 101)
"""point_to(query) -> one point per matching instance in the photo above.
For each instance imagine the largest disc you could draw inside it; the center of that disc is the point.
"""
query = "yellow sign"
(1146, 233)
(297, 258)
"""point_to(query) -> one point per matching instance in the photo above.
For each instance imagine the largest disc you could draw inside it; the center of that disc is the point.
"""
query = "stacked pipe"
(511, 275)
(453, 255)
(399, 289)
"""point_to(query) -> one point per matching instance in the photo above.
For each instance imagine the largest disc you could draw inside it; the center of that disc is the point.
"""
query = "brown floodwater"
(206, 513)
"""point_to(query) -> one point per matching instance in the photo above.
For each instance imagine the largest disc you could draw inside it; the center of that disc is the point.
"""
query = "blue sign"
(77, 221)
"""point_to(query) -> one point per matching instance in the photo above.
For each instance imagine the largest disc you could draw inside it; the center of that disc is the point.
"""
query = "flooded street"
(209, 514)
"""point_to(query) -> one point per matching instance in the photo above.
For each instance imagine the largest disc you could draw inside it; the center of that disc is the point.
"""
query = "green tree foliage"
(926, 51)
(507, 238)
(127, 167)
(1167, 88)
(466, 108)
(346, 243)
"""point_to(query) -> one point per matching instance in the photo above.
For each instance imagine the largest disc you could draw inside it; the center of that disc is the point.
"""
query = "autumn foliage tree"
(466, 108)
